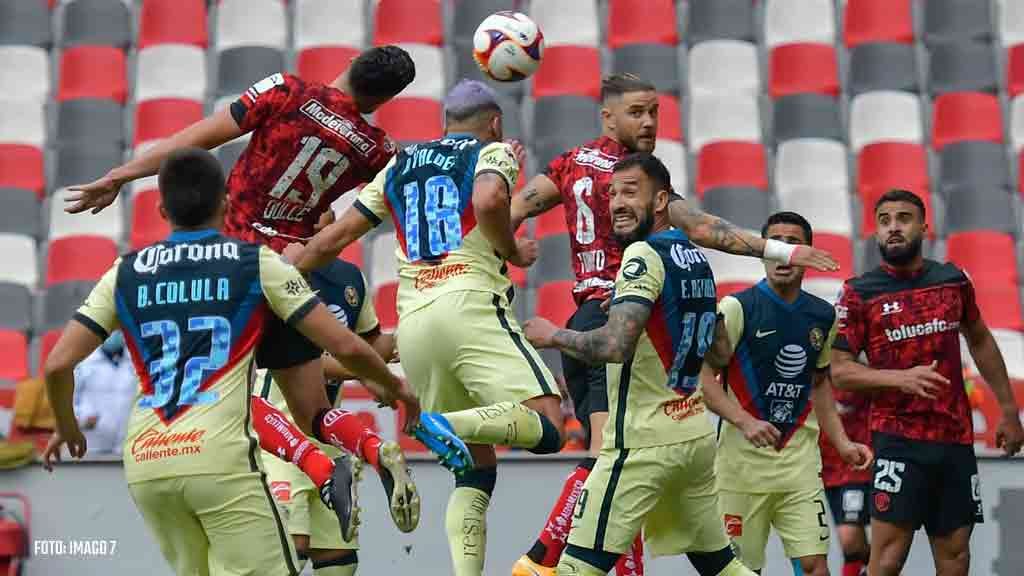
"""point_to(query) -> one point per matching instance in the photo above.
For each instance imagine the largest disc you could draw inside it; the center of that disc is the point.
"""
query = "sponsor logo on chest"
(595, 159)
(338, 124)
(908, 331)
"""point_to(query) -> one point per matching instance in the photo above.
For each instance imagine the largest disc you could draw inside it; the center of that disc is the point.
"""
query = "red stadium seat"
(569, 71)
(878, 21)
(93, 72)
(554, 301)
(984, 401)
(411, 119)
(408, 21)
(729, 163)
(960, 116)
(1000, 306)
(172, 22)
(13, 355)
(384, 301)
(162, 117)
(723, 289)
(647, 22)
(988, 256)
(46, 344)
(324, 63)
(79, 258)
(803, 68)
(550, 223)
(353, 254)
(517, 276)
(1015, 70)
(841, 249)
(670, 118)
(886, 165)
(21, 166)
(148, 226)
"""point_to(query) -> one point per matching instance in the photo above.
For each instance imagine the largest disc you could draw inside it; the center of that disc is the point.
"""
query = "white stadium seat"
(809, 163)
(109, 223)
(28, 69)
(724, 67)
(171, 71)
(22, 122)
(827, 208)
(885, 116)
(20, 262)
(790, 21)
(673, 155)
(1017, 123)
(731, 268)
(330, 23)
(723, 117)
(383, 266)
(1011, 22)
(567, 22)
(252, 23)
(825, 288)
(430, 78)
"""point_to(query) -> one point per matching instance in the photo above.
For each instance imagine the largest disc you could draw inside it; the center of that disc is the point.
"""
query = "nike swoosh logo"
(760, 334)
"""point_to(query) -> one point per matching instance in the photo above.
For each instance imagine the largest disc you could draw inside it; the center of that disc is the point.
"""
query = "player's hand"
(760, 433)
(526, 254)
(293, 251)
(811, 257)
(540, 331)
(1009, 435)
(326, 219)
(923, 381)
(856, 455)
(75, 441)
(94, 196)
(519, 151)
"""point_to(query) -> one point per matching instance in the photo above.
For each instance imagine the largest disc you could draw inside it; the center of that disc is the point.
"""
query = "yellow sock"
(466, 524)
(504, 424)
(736, 568)
(567, 564)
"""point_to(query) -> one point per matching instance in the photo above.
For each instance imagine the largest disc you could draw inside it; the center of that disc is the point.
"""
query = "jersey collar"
(191, 235)
(763, 286)
(460, 136)
(904, 274)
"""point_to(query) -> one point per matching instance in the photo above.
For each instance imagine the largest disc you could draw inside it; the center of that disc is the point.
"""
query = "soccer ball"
(508, 46)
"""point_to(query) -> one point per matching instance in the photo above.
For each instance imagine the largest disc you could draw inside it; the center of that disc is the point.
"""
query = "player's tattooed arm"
(710, 231)
(612, 343)
(539, 196)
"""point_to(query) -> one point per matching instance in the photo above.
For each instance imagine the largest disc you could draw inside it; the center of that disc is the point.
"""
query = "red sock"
(281, 437)
(632, 563)
(347, 431)
(853, 568)
(552, 539)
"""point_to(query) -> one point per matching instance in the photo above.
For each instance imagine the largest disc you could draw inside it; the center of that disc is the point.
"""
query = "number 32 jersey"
(192, 310)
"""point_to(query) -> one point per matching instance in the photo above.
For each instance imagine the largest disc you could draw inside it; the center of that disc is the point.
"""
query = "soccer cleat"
(526, 567)
(403, 498)
(436, 433)
(339, 494)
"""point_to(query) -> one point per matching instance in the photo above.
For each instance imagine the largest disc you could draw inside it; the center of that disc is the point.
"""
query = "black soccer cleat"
(403, 498)
(339, 494)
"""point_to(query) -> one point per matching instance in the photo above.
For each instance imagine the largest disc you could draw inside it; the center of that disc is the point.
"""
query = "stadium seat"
(88, 121)
(728, 163)
(744, 207)
(724, 67)
(407, 22)
(841, 248)
(788, 21)
(656, 63)
(1000, 306)
(650, 22)
(1011, 23)
(78, 165)
(20, 214)
(382, 267)
(966, 116)
(720, 20)
(730, 268)
(20, 264)
(573, 119)
(962, 67)
(670, 118)
(886, 165)
(1011, 344)
(228, 154)
(353, 253)
(957, 21)
(148, 226)
(556, 259)
(1017, 124)
(22, 122)
(673, 155)
(987, 255)
(468, 14)
(1020, 172)
(885, 116)
(567, 22)
(109, 222)
(324, 63)
(25, 22)
(251, 23)
(803, 68)
(60, 302)
(968, 164)
(93, 72)
(430, 75)
(21, 166)
(569, 71)
(78, 258)
(1015, 71)
(554, 302)
(980, 208)
(875, 67)
(512, 121)
(172, 22)
(28, 68)
(810, 166)
(316, 23)
(550, 223)
(162, 117)
(806, 116)
(826, 207)
(239, 68)
(15, 307)
(96, 22)
(867, 21)
(14, 355)
(718, 117)
(828, 289)
(171, 71)
(385, 300)
(410, 120)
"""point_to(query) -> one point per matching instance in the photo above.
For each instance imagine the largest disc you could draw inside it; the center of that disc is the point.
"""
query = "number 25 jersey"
(427, 191)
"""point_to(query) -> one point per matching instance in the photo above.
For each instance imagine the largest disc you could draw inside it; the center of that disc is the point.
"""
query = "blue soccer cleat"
(436, 433)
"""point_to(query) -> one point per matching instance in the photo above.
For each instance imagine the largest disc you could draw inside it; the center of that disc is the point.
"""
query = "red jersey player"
(579, 179)
(309, 145)
(907, 317)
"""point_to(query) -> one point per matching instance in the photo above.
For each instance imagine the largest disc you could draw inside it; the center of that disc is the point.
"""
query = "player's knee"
(890, 563)
(956, 564)
(814, 566)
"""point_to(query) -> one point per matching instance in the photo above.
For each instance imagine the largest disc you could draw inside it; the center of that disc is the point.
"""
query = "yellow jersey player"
(768, 463)
(193, 310)
(655, 471)
(459, 343)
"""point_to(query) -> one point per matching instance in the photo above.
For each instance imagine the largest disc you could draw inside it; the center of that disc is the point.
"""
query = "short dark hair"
(381, 72)
(899, 195)
(650, 164)
(191, 186)
(616, 85)
(789, 218)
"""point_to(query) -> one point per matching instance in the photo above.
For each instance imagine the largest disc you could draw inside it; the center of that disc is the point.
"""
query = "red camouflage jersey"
(903, 320)
(583, 176)
(309, 146)
(853, 408)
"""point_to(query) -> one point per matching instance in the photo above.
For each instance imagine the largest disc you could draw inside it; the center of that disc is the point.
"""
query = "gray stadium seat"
(15, 307)
(957, 20)
(973, 164)
(470, 13)
(962, 67)
(656, 63)
(20, 213)
(25, 22)
(745, 207)
(883, 67)
(104, 22)
(228, 154)
(806, 116)
(511, 116)
(563, 117)
(979, 208)
(241, 67)
(78, 164)
(60, 302)
(720, 19)
(555, 262)
(88, 121)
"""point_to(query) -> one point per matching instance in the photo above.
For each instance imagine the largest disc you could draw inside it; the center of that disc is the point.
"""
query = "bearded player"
(579, 179)
(309, 145)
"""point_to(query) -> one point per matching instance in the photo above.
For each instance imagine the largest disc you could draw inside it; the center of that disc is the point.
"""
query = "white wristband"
(778, 251)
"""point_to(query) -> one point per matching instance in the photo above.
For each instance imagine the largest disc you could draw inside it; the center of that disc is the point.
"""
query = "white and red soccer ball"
(508, 46)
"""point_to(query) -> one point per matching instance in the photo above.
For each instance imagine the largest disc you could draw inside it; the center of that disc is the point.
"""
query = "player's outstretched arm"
(988, 358)
(612, 343)
(207, 133)
(539, 196)
(328, 243)
(709, 231)
(824, 403)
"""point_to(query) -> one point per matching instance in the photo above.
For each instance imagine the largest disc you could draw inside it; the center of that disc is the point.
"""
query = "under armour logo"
(891, 308)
